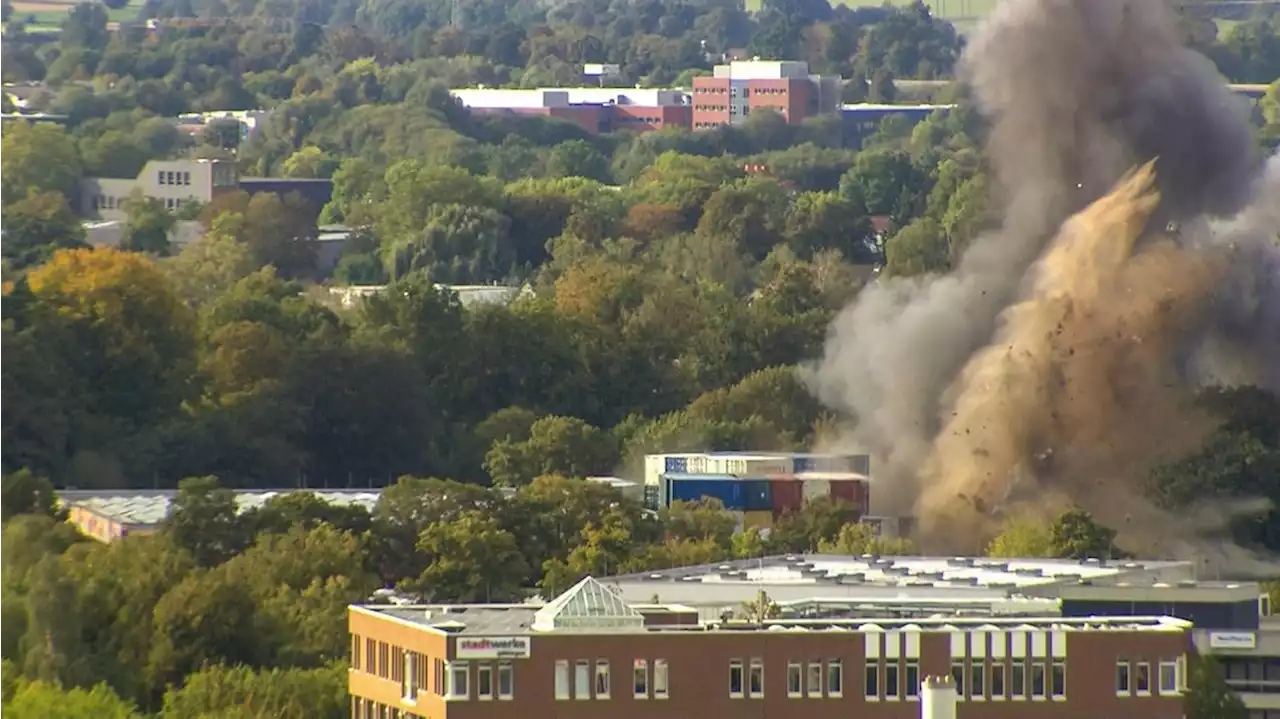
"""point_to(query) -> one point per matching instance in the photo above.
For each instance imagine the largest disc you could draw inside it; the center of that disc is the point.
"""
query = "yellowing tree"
(120, 323)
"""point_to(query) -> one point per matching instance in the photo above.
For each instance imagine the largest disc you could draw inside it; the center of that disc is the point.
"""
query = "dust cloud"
(1055, 362)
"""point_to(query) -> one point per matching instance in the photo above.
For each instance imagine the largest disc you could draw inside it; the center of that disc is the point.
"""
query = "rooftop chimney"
(938, 698)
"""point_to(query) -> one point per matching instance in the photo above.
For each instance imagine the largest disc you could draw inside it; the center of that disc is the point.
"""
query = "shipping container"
(852, 491)
(748, 464)
(656, 465)
(859, 463)
(677, 464)
(788, 495)
(692, 488)
(757, 495)
(812, 489)
(757, 519)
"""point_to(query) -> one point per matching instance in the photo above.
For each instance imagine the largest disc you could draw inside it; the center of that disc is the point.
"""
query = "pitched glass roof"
(587, 605)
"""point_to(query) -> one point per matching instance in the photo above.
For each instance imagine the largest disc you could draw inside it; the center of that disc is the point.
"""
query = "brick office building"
(733, 91)
(589, 654)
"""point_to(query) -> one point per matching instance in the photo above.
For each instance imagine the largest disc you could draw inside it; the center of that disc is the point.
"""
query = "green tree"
(1023, 536)
(205, 521)
(286, 693)
(472, 559)
(1208, 696)
(38, 225)
(45, 700)
(148, 225)
(39, 157)
(858, 539)
(577, 158)
(1076, 535)
(214, 262)
(917, 249)
(556, 445)
(26, 493)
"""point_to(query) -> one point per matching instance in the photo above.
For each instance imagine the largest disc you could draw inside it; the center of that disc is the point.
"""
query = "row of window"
(369, 709)
(491, 681)
(746, 91)
(638, 119)
(711, 108)
(1134, 678)
(172, 177)
(451, 680)
(108, 202)
(1019, 679)
(584, 683)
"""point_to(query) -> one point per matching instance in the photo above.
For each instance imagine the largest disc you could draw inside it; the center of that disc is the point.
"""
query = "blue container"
(677, 464)
(757, 495)
(728, 491)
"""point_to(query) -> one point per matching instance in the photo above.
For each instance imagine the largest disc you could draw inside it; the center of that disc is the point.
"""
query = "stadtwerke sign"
(492, 648)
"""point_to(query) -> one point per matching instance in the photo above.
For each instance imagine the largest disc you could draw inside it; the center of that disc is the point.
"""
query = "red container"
(852, 491)
(788, 495)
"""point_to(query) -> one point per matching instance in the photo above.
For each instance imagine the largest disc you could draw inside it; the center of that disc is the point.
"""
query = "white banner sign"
(1232, 640)
(492, 648)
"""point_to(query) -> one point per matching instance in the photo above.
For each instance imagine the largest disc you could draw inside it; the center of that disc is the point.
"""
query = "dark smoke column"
(1077, 92)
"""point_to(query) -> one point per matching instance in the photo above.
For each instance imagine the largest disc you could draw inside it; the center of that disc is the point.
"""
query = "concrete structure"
(108, 515)
(171, 181)
(596, 109)
(862, 119)
(736, 89)
(468, 295)
(939, 698)
(249, 121)
(559, 659)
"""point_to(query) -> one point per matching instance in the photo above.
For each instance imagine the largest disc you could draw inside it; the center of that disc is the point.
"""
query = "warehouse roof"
(143, 508)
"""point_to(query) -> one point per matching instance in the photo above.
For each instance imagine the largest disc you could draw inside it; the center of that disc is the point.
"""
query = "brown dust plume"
(1078, 393)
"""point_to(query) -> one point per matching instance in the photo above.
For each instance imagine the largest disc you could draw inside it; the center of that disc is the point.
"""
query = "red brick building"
(596, 109)
(735, 90)
(590, 654)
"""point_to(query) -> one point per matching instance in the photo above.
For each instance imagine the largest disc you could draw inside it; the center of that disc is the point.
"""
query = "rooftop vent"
(1029, 572)
(857, 578)
(1187, 583)
(960, 562)
(691, 579)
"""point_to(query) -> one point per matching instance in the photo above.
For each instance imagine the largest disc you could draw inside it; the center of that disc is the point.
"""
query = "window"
(815, 680)
(409, 679)
(1142, 677)
(582, 680)
(660, 679)
(484, 681)
(794, 679)
(913, 678)
(459, 674)
(998, 672)
(977, 673)
(735, 678)
(160, 177)
(383, 663)
(1058, 680)
(602, 679)
(891, 679)
(873, 681)
(757, 678)
(1037, 680)
(1018, 687)
(640, 679)
(1168, 677)
(506, 680)
(186, 178)
(355, 651)
(562, 679)
(835, 678)
(1122, 677)
(957, 674)
(168, 179)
